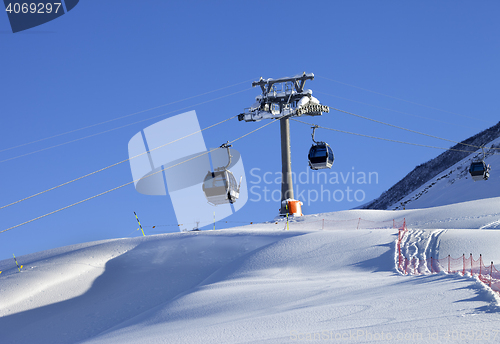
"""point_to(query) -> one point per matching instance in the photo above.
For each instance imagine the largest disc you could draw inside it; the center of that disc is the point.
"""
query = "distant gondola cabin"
(320, 156)
(479, 171)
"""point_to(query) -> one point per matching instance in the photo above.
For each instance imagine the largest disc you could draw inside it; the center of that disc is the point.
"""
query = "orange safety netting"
(463, 265)
(358, 223)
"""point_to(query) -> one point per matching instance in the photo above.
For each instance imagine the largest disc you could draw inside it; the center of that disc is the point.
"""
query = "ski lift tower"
(282, 99)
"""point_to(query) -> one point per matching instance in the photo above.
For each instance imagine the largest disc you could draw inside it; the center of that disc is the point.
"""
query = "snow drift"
(255, 283)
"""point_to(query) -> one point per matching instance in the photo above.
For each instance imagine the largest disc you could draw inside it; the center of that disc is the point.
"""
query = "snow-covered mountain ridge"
(447, 168)
(455, 184)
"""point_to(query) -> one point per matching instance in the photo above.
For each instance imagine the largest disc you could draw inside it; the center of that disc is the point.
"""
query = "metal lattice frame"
(289, 100)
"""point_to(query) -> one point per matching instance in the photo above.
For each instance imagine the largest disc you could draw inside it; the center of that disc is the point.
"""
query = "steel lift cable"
(398, 127)
(123, 126)
(129, 115)
(115, 164)
(380, 138)
(121, 186)
(397, 111)
(404, 100)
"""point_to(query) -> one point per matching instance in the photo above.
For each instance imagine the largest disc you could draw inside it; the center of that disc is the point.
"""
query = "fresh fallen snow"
(260, 283)
(455, 184)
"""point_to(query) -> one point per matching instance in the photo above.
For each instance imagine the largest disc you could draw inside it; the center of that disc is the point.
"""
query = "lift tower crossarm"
(299, 87)
(282, 104)
(288, 100)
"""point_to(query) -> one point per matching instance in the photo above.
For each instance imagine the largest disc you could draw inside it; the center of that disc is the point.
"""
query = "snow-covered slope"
(257, 283)
(455, 184)
(435, 177)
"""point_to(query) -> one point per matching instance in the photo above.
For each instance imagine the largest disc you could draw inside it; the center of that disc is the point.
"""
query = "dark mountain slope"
(426, 171)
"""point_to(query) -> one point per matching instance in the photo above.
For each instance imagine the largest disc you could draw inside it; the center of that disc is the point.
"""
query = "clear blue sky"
(108, 59)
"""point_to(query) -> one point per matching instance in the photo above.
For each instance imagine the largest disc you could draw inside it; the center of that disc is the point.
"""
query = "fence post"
(359, 220)
(449, 264)
(463, 259)
(432, 268)
(491, 272)
(470, 264)
(480, 265)
(399, 254)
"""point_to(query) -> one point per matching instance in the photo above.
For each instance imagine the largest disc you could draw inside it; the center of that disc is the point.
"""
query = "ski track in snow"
(421, 245)
(255, 283)
(492, 225)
